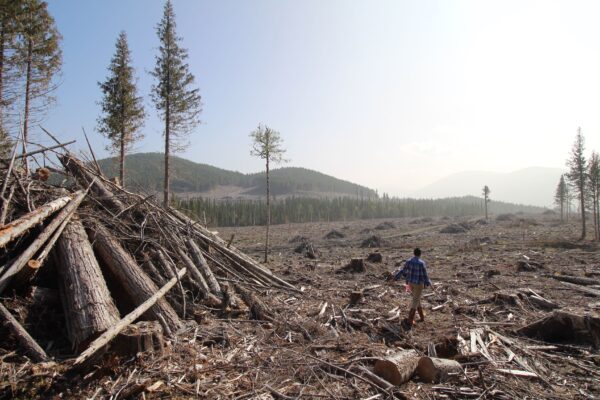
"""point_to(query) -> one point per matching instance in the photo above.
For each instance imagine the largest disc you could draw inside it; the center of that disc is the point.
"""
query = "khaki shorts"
(417, 291)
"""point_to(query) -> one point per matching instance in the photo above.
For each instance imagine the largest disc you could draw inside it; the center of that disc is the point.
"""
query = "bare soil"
(316, 341)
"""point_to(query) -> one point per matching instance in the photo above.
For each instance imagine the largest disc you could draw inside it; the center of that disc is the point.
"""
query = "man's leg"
(417, 291)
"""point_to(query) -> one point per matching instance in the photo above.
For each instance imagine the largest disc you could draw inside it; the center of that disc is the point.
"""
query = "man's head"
(417, 252)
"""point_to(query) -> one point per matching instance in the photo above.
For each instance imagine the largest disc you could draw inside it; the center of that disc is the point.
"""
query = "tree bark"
(258, 310)
(122, 159)
(435, 370)
(110, 334)
(202, 265)
(397, 368)
(141, 337)
(88, 305)
(34, 349)
(565, 326)
(18, 227)
(27, 103)
(167, 149)
(131, 276)
(84, 178)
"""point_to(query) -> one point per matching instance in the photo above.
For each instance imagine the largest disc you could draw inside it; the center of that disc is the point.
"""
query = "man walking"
(415, 273)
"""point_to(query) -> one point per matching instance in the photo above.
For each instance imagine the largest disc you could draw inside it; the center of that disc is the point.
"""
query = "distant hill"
(535, 185)
(145, 171)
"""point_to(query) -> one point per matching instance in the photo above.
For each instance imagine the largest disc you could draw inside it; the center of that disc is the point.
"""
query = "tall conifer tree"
(40, 58)
(578, 175)
(122, 109)
(594, 190)
(178, 103)
(560, 196)
(9, 28)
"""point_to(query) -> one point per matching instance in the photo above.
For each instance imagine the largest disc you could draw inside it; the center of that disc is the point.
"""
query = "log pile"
(114, 258)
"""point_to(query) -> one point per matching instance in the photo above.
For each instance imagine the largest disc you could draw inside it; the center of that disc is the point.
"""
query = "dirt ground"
(316, 342)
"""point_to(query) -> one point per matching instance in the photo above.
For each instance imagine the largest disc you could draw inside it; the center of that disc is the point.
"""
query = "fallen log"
(435, 370)
(576, 279)
(21, 225)
(37, 353)
(130, 275)
(195, 275)
(560, 326)
(24, 267)
(583, 289)
(258, 310)
(112, 332)
(88, 306)
(85, 179)
(397, 368)
(200, 261)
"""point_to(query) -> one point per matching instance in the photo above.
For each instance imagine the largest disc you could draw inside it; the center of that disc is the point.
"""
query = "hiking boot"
(421, 314)
(411, 316)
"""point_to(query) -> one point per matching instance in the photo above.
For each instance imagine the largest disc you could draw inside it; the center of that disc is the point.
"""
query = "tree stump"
(397, 368)
(564, 326)
(356, 296)
(436, 370)
(357, 265)
(375, 257)
(141, 337)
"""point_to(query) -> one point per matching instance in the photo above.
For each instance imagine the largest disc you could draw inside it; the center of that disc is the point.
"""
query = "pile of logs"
(113, 257)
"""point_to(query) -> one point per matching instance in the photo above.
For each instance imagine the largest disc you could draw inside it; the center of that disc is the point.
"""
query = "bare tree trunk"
(89, 308)
(268, 213)
(27, 103)
(122, 160)
(582, 205)
(167, 149)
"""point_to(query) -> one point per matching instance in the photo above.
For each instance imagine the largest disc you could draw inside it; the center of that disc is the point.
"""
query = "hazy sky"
(389, 94)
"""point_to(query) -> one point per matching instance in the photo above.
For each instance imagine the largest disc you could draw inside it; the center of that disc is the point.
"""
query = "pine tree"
(594, 190)
(266, 144)
(486, 199)
(577, 175)
(560, 196)
(123, 112)
(9, 27)
(40, 57)
(177, 102)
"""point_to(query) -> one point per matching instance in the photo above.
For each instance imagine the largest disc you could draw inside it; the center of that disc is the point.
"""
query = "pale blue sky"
(388, 94)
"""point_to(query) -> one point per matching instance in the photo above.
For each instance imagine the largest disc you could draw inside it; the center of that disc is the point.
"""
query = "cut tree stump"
(357, 265)
(356, 296)
(130, 275)
(141, 337)
(397, 368)
(436, 370)
(560, 326)
(88, 306)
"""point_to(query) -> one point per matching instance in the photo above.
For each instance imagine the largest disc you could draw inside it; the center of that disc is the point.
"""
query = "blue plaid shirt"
(415, 272)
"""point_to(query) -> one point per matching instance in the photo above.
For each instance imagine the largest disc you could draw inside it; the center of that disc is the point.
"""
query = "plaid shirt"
(415, 271)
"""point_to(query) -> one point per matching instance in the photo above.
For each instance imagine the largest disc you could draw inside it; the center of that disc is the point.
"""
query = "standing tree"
(267, 144)
(577, 175)
(123, 112)
(177, 102)
(40, 57)
(560, 196)
(486, 199)
(9, 18)
(594, 190)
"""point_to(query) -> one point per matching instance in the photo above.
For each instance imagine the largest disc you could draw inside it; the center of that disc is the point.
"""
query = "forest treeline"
(303, 209)
(146, 170)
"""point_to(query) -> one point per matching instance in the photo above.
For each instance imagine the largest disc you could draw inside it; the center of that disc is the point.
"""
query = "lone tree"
(486, 199)
(577, 175)
(267, 144)
(561, 196)
(178, 104)
(40, 58)
(122, 109)
(593, 176)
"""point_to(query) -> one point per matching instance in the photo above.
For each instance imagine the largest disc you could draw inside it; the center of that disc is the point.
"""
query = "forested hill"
(146, 171)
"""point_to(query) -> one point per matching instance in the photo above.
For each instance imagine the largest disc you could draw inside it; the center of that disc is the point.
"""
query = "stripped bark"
(20, 226)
